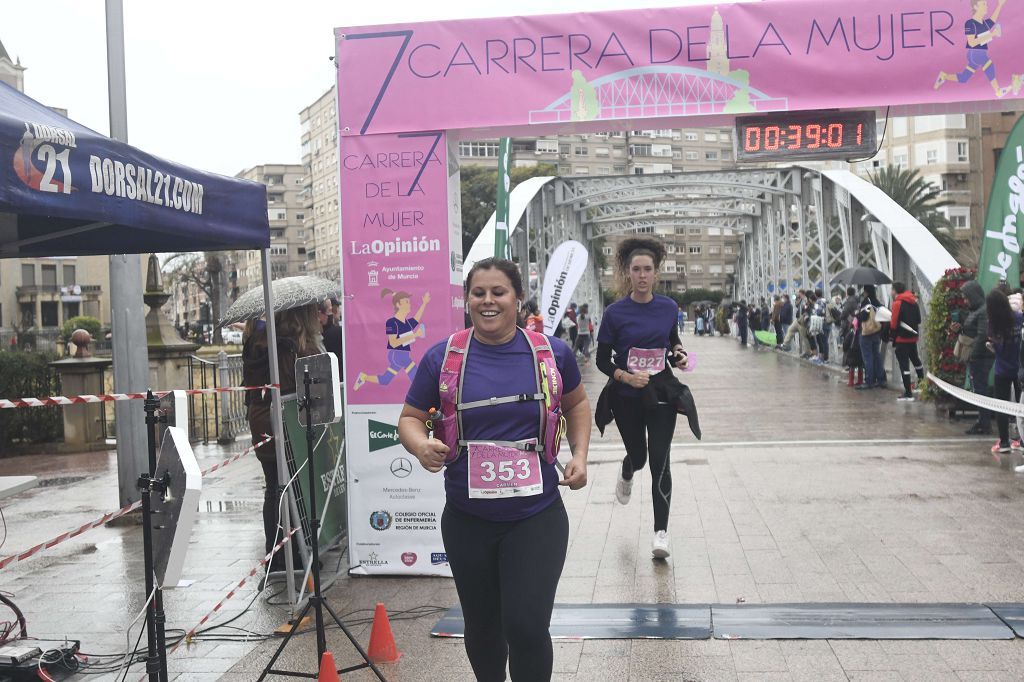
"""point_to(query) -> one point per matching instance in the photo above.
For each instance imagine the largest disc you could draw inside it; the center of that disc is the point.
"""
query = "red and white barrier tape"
(263, 562)
(107, 518)
(7, 404)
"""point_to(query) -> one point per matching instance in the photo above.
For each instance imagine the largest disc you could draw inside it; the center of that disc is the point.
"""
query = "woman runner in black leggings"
(640, 329)
(504, 527)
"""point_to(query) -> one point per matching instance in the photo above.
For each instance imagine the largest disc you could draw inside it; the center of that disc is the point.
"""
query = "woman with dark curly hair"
(637, 343)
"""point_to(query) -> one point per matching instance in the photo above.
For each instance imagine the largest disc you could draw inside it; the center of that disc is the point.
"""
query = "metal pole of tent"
(278, 426)
(131, 358)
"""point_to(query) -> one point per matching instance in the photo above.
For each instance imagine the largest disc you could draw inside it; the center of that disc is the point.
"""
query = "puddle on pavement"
(217, 506)
(59, 480)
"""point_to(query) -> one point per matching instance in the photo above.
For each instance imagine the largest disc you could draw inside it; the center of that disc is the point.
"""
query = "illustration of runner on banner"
(402, 331)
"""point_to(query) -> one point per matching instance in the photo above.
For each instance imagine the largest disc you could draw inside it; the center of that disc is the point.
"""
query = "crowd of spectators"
(852, 329)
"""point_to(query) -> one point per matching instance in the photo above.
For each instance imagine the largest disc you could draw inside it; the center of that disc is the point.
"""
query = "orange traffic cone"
(328, 671)
(382, 647)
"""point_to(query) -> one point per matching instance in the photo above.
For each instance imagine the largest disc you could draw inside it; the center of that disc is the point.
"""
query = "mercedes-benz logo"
(401, 467)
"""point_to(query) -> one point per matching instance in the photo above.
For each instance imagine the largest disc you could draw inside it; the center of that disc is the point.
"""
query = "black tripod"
(156, 659)
(316, 600)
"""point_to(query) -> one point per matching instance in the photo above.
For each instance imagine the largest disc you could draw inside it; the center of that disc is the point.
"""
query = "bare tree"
(208, 271)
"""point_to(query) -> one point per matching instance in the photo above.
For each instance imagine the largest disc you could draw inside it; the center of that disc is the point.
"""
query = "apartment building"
(285, 184)
(318, 197)
(947, 149)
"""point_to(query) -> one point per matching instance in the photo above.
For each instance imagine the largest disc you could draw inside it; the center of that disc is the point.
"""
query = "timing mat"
(773, 621)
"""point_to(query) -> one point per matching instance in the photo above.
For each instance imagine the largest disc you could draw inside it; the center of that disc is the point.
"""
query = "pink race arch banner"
(575, 70)
(405, 92)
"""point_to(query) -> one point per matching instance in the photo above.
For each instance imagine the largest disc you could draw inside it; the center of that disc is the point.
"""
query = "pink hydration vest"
(551, 426)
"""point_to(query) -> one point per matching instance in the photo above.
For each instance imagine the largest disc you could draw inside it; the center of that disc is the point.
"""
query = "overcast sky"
(216, 84)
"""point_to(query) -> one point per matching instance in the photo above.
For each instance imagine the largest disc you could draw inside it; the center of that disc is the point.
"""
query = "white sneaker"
(659, 546)
(623, 489)
(1019, 469)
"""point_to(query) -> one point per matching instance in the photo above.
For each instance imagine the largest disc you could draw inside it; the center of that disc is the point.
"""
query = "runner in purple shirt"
(506, 546)
(641, 331)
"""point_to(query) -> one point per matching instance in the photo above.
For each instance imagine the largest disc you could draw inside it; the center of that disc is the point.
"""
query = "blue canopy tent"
(66, 190)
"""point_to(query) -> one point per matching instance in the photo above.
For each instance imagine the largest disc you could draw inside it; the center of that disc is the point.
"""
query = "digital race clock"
(796, 135)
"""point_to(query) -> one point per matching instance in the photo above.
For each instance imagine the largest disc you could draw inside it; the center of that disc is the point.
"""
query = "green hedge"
(89, 324)
(28, 375)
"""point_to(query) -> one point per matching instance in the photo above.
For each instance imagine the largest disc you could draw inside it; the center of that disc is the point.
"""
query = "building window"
(696, 269)
(714, 250)
(695, 232)
(961, 152)
(694, 250)
(547, 146)
(69, 275)
(638, 171)
(601, 151)
(691, 137)
(640, 149)
(486, 150)
(727, 249)
(619, 169)
(28, 274)
(711, 137)
(278, 250)
(49, 275)
(300, 216)
(48, 312)
(931, 156)
(691, 156)
(580, 150)
(711, 156)
(580, 170)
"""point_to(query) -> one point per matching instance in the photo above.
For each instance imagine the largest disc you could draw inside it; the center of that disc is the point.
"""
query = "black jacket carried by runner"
(663, 387)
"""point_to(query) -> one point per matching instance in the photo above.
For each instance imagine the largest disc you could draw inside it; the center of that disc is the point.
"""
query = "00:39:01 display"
(811, 136)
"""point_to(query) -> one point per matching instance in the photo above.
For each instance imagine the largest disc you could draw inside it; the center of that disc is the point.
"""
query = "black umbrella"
(861, 275)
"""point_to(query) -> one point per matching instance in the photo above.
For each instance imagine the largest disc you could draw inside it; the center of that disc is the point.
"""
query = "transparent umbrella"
(289, 292)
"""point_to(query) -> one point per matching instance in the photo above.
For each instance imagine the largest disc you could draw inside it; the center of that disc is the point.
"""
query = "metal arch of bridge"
(799, 226)
(828, 221)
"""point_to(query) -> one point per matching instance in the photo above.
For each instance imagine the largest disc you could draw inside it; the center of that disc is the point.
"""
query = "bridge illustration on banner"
(655, 91)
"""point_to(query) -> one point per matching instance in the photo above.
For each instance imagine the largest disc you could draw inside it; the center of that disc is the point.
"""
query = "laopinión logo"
(409, 558)
(380, 520)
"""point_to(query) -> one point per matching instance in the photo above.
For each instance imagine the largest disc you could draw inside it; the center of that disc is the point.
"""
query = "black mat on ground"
(1012, 615)
(857, 621)
(610, 621)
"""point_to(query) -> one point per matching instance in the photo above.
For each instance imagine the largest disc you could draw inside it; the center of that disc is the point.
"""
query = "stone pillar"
(168, 353)
(83, 424)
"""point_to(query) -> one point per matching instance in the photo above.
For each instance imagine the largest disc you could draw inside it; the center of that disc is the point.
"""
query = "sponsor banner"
(565, 268)
(396, 505)
(1004, 222)
(399, 270)
(577, 71)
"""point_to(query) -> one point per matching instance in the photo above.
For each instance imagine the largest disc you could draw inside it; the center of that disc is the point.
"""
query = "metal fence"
(220, 416)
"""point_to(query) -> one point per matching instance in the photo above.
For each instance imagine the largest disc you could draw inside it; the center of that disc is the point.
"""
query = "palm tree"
(920, 199)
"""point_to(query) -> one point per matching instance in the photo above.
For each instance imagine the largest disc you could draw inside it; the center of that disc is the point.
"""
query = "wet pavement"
(802, 490)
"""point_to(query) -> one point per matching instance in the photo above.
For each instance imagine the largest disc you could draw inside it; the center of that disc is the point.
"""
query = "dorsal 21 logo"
(39, 143)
